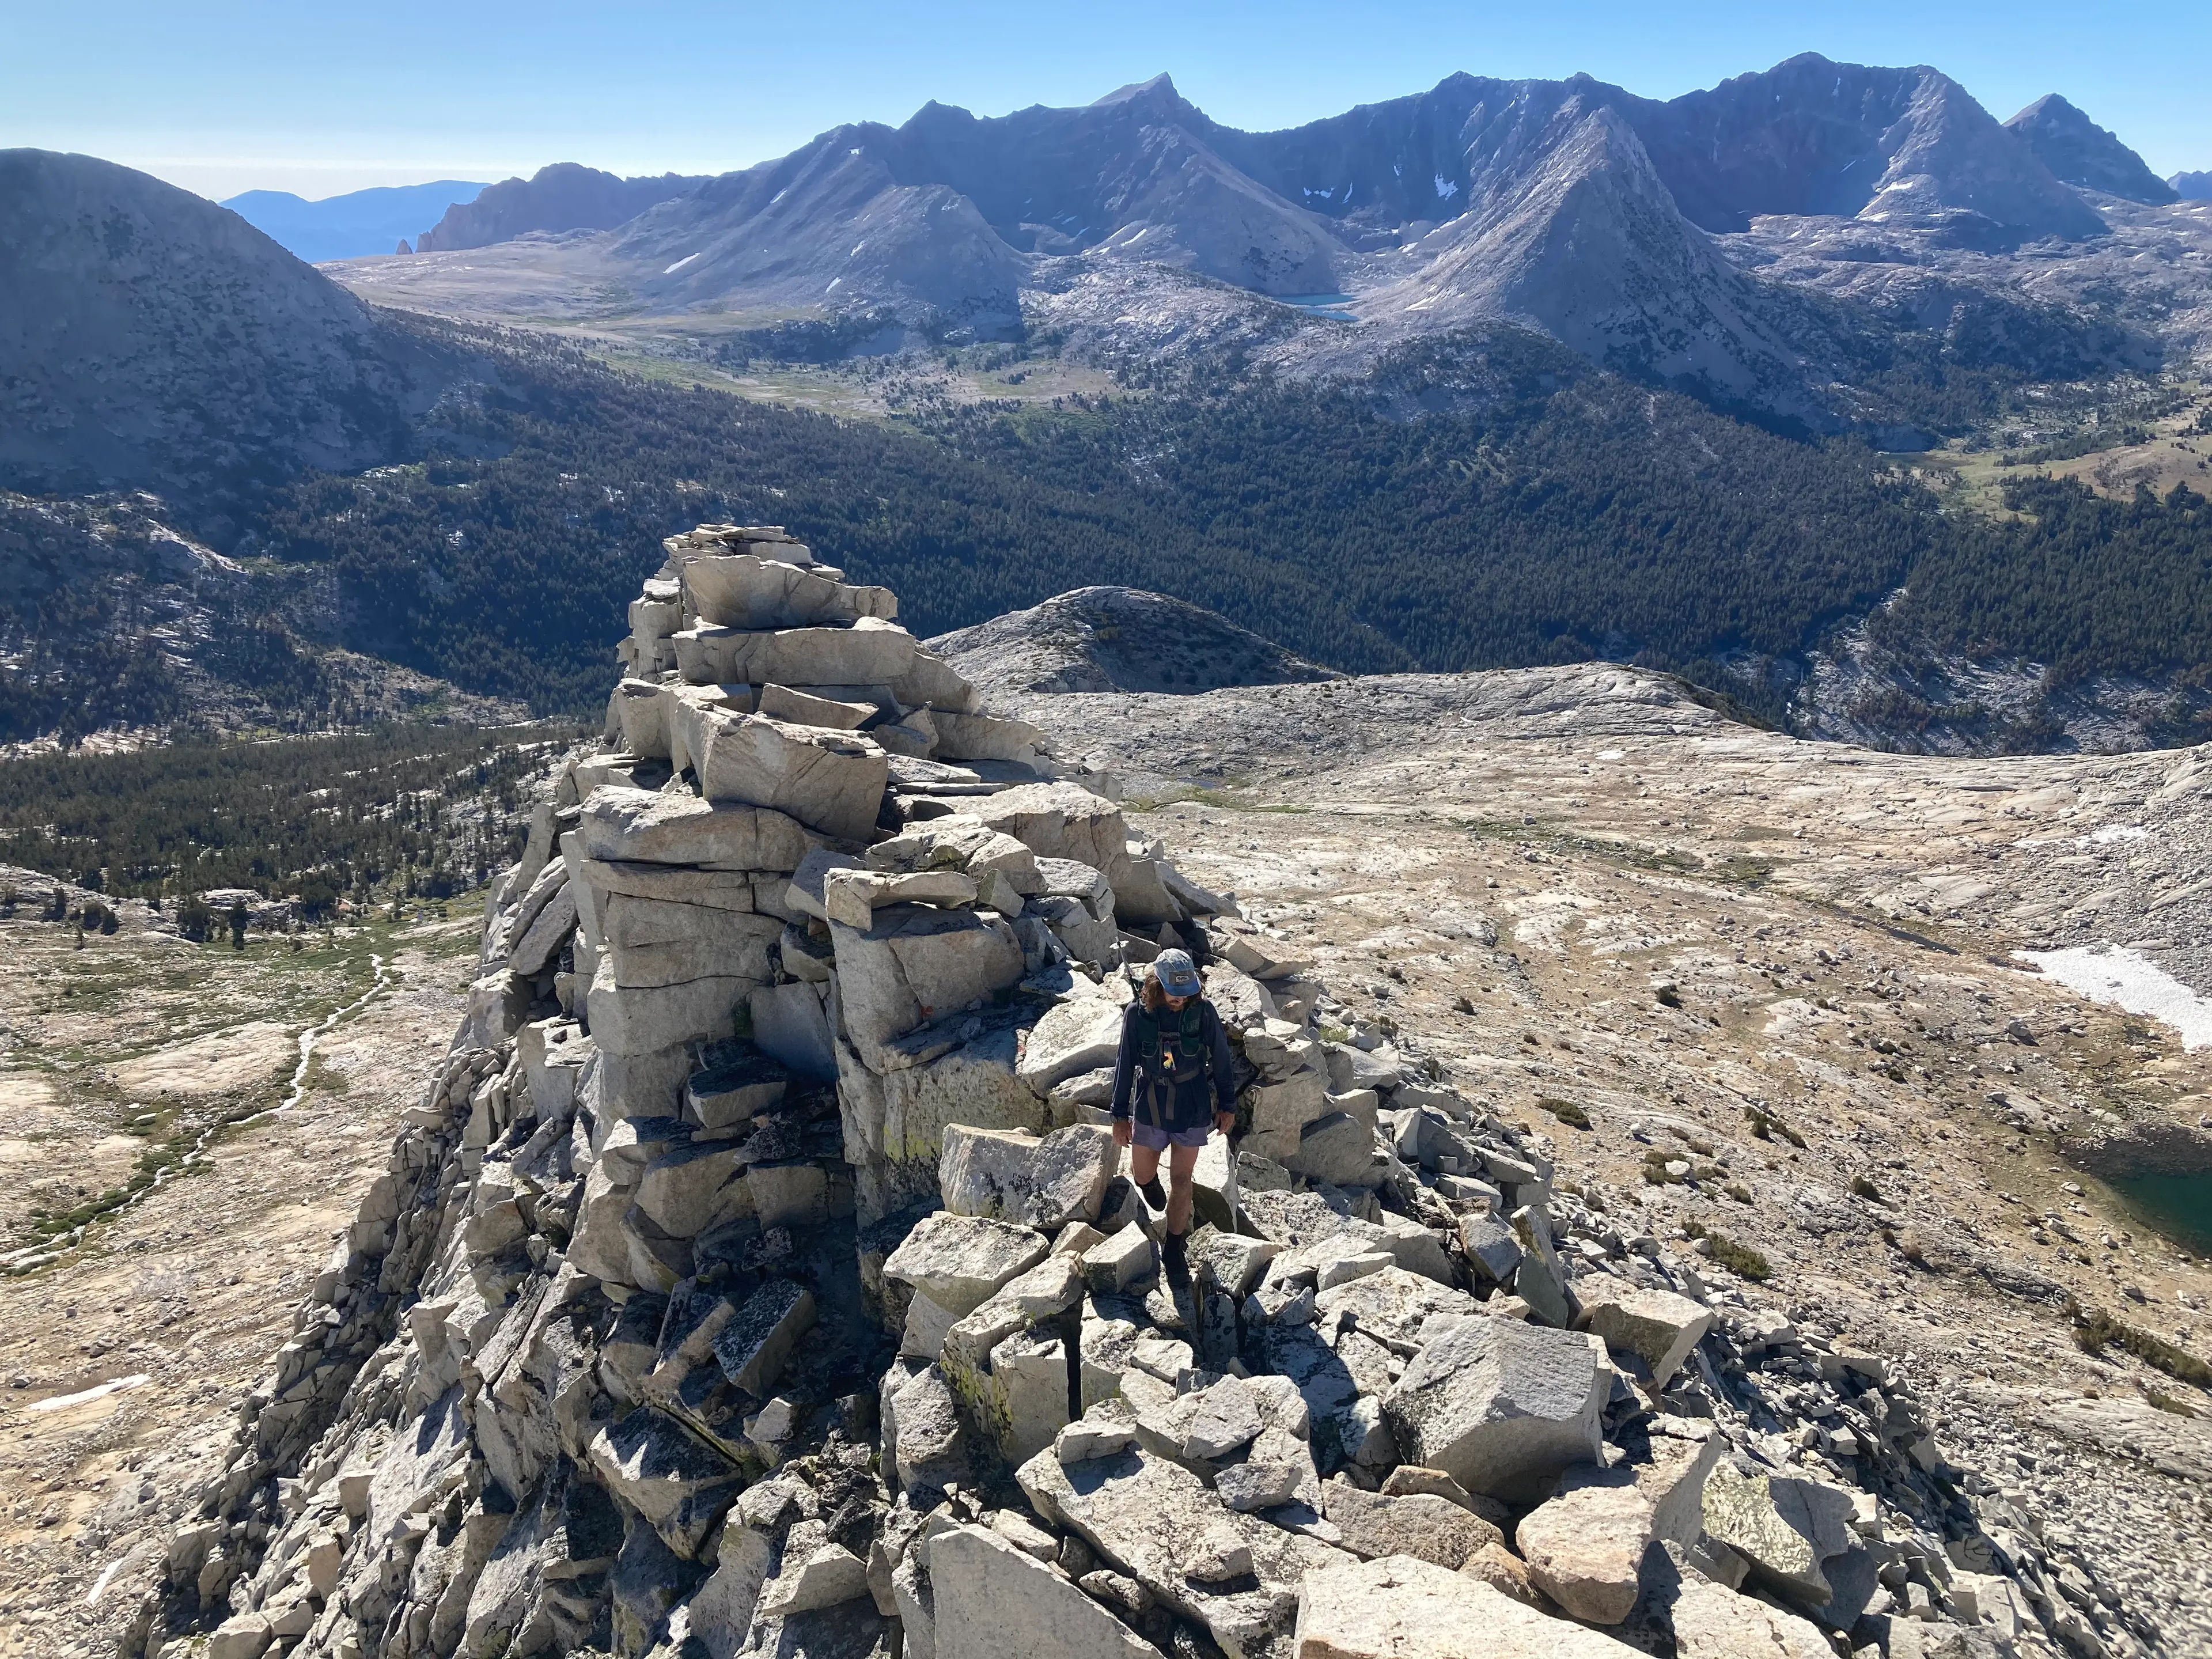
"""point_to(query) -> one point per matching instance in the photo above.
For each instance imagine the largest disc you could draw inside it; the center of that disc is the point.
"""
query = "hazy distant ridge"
(356, 225)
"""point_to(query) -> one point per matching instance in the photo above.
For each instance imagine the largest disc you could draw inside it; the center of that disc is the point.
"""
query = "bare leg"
(1183, 1161)
(1144, 1166)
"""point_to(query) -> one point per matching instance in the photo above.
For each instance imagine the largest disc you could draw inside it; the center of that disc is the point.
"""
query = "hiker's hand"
(1225, 1123)
(1124, 1131)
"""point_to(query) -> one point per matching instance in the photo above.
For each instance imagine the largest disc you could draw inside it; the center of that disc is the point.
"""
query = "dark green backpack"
(1186, 1045)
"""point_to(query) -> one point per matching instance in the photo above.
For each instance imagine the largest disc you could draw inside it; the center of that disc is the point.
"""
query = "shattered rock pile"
(759, 1273)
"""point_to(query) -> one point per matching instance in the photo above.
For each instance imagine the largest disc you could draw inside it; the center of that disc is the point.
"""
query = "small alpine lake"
(2178, 1206)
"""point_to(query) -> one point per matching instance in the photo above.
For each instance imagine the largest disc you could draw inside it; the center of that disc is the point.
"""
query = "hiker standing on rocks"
(1171, 1044)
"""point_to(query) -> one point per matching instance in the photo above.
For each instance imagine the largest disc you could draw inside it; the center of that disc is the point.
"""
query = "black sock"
(1153, 1193)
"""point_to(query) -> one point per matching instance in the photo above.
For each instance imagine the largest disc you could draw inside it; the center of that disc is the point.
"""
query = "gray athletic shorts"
(1160, 1141)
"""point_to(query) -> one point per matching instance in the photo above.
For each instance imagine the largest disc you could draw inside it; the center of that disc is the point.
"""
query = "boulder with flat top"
(830, 781)
(644, 826)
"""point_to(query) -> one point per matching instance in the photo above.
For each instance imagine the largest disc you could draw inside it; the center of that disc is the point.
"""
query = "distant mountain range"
(359, 223)
(1362, 448)
(562, 197)
(1739, 241)
(2192, 186)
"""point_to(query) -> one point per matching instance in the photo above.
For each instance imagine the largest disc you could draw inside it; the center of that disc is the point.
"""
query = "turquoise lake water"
(1331, 306)
(2180, 1207)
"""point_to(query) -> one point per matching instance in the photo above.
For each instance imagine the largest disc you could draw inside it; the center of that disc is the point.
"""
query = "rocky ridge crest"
(757, 1274)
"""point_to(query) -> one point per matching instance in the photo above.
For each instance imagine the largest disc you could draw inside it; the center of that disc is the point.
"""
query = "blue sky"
(222, 97)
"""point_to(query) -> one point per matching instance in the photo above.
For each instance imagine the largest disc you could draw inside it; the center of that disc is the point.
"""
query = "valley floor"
(122, 1362)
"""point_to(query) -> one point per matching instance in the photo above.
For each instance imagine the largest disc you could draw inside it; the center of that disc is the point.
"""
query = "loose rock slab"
(642, 826)
(1499, 1406)
(1159, 1524)
(752, 1347)
(1657, 1326)
(1398, 1607)
(679, 1485)
(1713, 1622)
(995, 1602)
(1420, 1524)
(1037, 1182)
(831, 781)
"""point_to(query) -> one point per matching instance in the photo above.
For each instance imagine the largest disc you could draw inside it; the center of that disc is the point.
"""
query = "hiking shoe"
(1174, 1257)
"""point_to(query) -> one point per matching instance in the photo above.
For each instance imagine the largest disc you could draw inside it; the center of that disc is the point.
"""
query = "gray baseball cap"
(1178, 973)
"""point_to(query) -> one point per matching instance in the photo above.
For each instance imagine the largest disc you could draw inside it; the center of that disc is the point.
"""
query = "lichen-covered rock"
(679, 1484)
(751, 1349)
(1435, 1529)
(1784, 1526)
(1160, 1524)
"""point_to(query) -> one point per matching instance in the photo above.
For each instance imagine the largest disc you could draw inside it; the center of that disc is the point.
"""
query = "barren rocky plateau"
(1581, 886)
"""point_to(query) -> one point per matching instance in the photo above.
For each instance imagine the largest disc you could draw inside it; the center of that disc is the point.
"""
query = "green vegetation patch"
(1738, 1258)
(1765, 1125)
(2095, 1330)
(424, 810)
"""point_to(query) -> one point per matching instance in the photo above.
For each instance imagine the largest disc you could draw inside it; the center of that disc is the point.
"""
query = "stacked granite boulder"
(759, 1274)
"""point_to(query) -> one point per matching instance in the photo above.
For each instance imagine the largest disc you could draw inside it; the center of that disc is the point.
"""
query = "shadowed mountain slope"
(154, 338)
(2080, 152)
(562, 197)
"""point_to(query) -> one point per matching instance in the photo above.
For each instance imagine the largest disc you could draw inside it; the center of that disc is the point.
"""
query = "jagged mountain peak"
(1574, 232)
(1465, 200)
(1814, 136)
(1160, 89)
(2080, 152)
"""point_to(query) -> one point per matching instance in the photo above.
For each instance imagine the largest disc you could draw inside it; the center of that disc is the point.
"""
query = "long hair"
(1154, 994)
